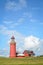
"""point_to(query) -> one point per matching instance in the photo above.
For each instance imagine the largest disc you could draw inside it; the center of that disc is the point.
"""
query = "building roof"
(20, 54)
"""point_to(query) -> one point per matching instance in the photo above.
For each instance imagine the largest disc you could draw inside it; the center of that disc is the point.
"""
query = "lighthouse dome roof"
(12, 37)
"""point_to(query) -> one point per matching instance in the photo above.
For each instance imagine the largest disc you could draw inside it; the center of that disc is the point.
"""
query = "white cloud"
(31, 42)
(22, 3)
(32, 20)
(19, 22)
(35, 8)
(34, 43)
(2, 28)
(30, 17)
(27, 14)
(39, 49)
(4, 52)
(12, 24)
(41, 53)
(20, 50)
(12, 5)
(7, 22)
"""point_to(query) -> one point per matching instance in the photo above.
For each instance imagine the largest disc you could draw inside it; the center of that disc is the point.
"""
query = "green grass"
(21, 61)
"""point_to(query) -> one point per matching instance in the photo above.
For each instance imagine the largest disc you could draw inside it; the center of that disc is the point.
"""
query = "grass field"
(22, 61)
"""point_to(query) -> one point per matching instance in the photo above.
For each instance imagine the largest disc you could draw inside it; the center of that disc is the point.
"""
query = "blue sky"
(24, 20)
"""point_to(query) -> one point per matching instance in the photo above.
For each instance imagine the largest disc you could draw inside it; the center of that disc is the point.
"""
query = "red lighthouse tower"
(12, 47)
